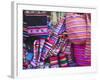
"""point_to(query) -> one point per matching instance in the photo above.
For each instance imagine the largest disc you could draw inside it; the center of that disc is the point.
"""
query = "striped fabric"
(62, 50)
(83, 52)
(48, 45)
(41, 44)
(82, 55)
(59, 27)
(79, 52)
(63, 60)
(88, 41)
(36, 50)
(76, 28)
(59, 46)
(54, 62)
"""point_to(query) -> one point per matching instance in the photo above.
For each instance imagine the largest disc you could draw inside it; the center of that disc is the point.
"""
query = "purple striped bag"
(78, 28)
(80, 55)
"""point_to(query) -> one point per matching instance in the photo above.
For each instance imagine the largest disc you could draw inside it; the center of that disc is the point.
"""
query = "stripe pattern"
(63, 60)
(54, 62)
(48, 45)
(76, 28)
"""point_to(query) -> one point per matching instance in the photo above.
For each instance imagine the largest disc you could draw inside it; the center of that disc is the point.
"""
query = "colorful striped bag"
(76, 28)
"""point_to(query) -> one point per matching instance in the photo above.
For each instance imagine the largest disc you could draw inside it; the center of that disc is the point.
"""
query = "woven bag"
(76, 28)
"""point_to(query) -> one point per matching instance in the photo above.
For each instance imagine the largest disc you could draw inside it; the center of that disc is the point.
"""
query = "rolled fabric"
(76, 28)
(41, 41)
(35, 51)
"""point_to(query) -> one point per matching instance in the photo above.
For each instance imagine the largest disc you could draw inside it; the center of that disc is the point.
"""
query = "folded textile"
(54, 62)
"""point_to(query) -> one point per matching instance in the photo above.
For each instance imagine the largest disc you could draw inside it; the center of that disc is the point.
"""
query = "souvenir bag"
(78, 28)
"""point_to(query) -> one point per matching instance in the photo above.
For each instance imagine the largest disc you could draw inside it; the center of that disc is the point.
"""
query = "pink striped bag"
(76, 28)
